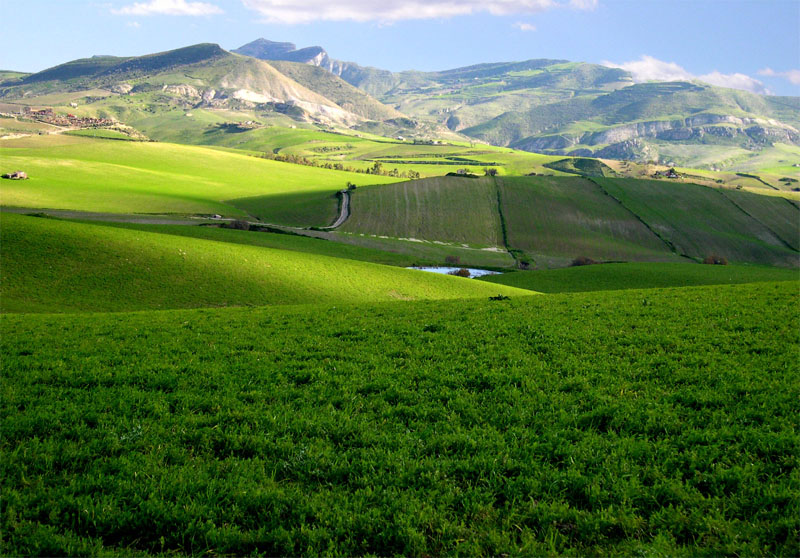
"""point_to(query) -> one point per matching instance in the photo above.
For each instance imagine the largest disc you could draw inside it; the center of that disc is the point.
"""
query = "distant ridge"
(99, 66)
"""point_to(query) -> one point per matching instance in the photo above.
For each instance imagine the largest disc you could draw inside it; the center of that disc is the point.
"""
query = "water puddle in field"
(450, 270)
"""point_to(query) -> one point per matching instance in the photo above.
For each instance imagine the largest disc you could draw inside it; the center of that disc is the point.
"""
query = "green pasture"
(555, 220)
(698, 221)
(143, 177)
(449, 209)
(657, 422)
(50, 265)
(608, 277)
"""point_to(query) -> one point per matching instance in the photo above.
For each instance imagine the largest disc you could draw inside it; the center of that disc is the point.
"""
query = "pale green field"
(142, 177)
(57, 266)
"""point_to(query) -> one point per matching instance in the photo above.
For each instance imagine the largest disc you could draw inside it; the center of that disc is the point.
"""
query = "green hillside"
(550, 221)
(651, 121)
(660, 422)
(700, 222)
(618, 276)
(140, 177)
(448, 209)
(336, 89)
(57, 266)
(555, 220)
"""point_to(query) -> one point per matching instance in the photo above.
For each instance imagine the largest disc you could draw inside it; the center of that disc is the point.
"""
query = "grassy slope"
(555, 220)
(336, 89)
(631, 423)
(115, 176)
(449, 209)
(57, 266)
(700, 221)
(639, 276)
(778, 214)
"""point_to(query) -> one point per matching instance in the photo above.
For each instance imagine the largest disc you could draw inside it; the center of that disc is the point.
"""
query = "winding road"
(344, 213)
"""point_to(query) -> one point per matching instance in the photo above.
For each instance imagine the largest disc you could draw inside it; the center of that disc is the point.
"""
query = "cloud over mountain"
(648, 68)
(792, 76)
(169, 7)
(305, 11)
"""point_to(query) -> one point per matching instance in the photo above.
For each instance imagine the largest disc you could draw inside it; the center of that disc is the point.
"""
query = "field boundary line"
(756, 219)
(503, 227)
(669, 243)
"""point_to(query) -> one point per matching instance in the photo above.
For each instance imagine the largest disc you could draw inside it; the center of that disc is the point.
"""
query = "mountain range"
(547, 106)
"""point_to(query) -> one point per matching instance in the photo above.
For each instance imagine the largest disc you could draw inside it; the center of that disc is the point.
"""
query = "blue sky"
(750, 44)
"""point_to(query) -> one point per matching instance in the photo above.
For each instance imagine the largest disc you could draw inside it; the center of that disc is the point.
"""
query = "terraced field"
(56, 266)
(554, 220)
(700, 222)
(447, 209)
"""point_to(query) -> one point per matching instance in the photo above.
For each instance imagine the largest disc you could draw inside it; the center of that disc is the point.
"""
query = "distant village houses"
(48, 116)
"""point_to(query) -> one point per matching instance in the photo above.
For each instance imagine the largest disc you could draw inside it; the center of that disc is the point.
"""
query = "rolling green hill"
(448, 209)
(140, 177)
(555, 220)
(550, 221)
(56, 266)
(699, 222)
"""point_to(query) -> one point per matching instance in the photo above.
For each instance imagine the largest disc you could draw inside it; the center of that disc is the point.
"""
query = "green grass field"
(142, 177)
(448, 209)
(619, 276)
(699, 221)
(58, 266)
(658, 422)
(554, 220)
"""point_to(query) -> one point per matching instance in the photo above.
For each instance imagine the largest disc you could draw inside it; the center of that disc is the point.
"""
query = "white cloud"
(169, 7)
(133, 24)
(792, 76)
(648, 68)
(583, 4)
(305, 11)
(524, 26)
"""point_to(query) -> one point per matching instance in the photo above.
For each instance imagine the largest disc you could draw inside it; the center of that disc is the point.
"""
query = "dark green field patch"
(699, 221)
(305, 209)
(635, 423)
(447, 209)
(779, 215)
(555, 220)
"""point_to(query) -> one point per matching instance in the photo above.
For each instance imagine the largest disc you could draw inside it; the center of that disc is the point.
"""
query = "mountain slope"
(337, 90)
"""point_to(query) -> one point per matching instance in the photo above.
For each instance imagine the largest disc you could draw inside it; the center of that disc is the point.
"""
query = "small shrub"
(239, 225)
(463, 272)
(452, 260)
(582, 260)
(715, 260)
(524, 264)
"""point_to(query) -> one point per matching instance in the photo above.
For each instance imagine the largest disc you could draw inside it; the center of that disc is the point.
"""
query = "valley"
(211, 342)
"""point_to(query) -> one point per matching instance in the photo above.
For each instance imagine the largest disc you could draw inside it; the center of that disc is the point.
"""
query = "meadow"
(664, 424)
(142, 177)
(447, 209)
(637, 275)
(59, 266)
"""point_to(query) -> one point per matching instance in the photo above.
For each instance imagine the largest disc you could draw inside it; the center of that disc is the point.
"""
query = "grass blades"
(632, 422)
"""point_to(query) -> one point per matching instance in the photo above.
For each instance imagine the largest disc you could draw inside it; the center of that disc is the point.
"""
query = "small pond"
(448, 270)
